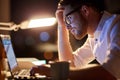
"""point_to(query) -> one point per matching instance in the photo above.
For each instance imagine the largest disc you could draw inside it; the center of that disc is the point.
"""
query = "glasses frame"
(67, 18)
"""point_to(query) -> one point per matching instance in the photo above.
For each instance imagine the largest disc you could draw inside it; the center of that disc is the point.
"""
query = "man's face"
(75, 22)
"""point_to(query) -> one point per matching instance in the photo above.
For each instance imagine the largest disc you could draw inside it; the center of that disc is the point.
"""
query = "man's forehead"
(67, 9)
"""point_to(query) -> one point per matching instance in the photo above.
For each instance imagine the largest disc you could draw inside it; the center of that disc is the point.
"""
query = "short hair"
(98, 5)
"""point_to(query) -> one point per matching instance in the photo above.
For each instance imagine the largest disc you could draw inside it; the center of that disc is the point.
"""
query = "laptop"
(14, 68)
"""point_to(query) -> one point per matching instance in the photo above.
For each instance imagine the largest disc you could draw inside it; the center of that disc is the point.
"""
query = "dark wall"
(25, 9)
(113, 6)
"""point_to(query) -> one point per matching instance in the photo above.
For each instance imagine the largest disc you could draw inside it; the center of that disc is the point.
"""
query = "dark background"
(25, 9)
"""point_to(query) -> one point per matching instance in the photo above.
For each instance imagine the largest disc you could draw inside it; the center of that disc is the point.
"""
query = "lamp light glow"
(44, 22)
(41, 22)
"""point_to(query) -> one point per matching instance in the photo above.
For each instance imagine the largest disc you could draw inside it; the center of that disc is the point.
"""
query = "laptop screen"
(6, 40)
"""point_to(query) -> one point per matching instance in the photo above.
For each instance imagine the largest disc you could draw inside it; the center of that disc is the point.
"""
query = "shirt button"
(96, 39)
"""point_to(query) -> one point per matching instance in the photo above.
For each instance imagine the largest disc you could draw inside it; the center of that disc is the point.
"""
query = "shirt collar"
(105, 16)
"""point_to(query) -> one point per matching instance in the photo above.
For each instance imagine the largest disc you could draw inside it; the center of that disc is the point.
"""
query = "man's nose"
(69, 27)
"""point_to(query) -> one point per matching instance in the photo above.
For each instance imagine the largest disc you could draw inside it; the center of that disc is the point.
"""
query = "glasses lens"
(67, 20)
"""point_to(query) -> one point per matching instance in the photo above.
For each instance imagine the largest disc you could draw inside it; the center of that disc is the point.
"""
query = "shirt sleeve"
(113, 62)
(83, 55)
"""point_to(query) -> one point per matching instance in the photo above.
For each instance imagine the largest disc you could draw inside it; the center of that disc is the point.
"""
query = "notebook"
(16, 71)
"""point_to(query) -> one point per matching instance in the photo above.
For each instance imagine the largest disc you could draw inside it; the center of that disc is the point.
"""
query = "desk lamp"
(44, 22)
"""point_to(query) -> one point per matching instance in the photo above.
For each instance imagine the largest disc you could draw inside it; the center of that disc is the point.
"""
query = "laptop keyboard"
(25, 75)
(24, 72)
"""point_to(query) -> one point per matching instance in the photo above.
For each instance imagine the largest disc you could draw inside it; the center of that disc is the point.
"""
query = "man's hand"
(59, 15)
(42, 70)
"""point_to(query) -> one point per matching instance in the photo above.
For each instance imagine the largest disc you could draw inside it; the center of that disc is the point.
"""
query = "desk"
(30, 62)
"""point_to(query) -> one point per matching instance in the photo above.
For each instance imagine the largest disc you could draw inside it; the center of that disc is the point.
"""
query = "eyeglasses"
(68, 18)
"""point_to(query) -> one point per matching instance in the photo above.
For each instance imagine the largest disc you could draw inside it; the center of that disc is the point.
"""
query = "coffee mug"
(60, 70)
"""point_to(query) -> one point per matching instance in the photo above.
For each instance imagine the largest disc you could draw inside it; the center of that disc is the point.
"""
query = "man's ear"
(85, 10)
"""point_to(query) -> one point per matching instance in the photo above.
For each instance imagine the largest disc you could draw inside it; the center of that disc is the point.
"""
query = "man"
(82, 17)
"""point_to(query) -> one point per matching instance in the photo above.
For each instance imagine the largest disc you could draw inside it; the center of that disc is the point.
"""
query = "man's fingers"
(33, 71)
